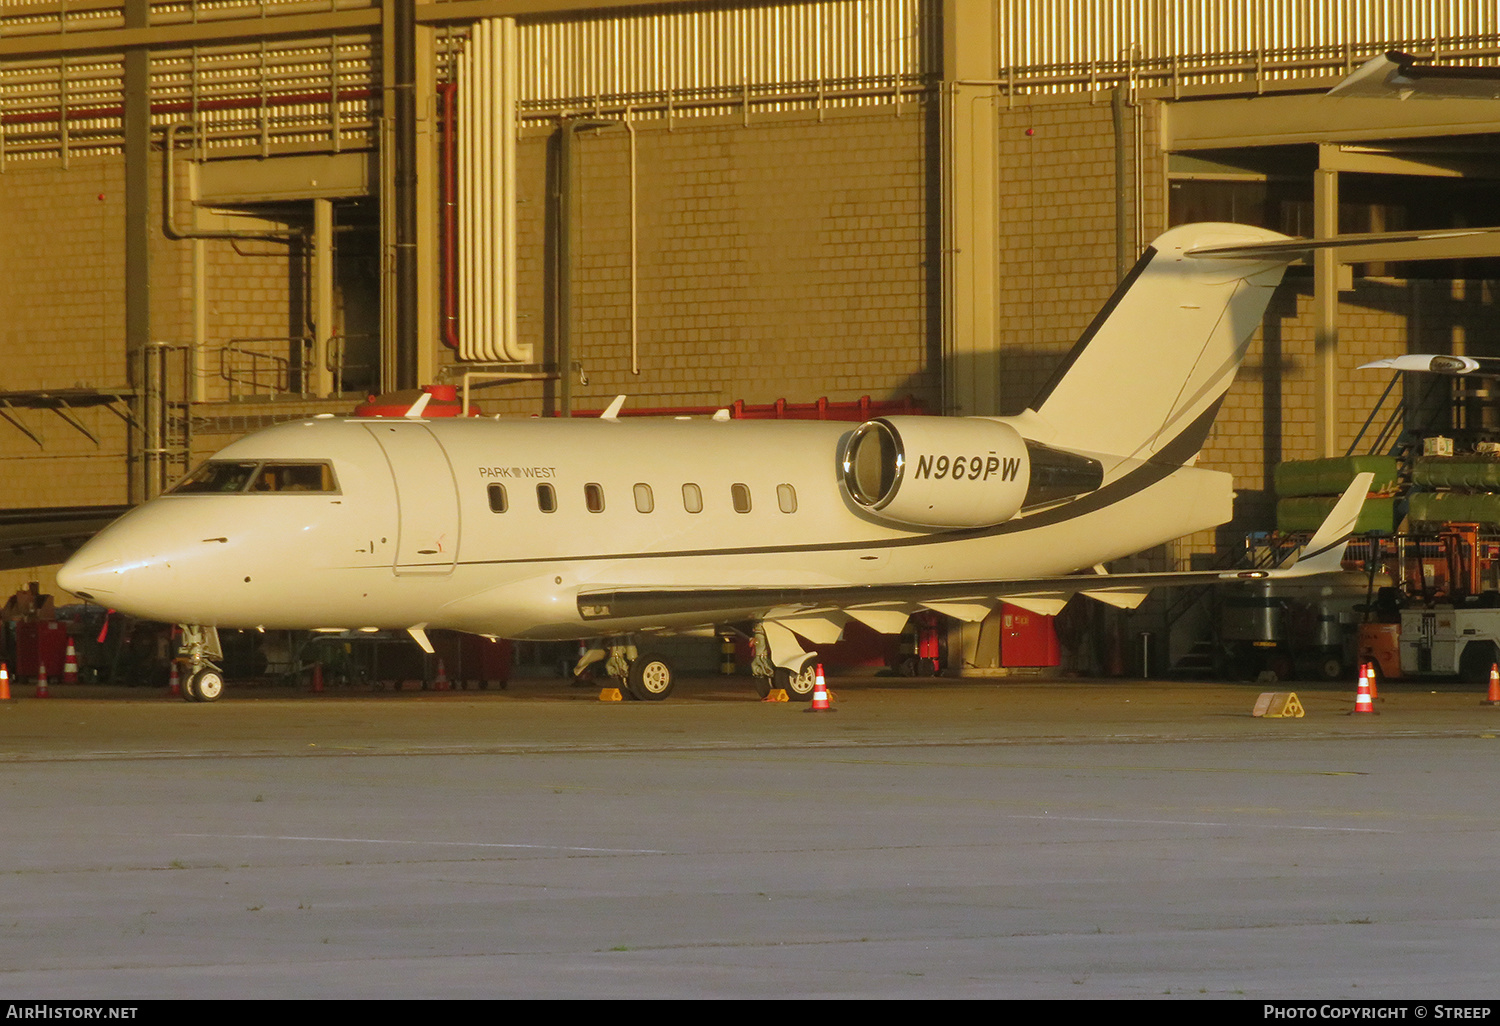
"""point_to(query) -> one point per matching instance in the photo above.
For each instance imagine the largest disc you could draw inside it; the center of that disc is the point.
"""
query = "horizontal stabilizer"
(1296, 249)
(1437, 363)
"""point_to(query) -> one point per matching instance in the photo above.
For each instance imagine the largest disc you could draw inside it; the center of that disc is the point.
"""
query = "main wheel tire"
(189, 686)
(651, 678)
(206, 685)
(798, 686)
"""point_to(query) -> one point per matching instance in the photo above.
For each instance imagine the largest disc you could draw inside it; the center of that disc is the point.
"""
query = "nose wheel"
(205, 681)
(203, 685)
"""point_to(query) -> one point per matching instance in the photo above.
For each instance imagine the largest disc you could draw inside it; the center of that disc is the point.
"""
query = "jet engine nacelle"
(937, 472)
(970, 472)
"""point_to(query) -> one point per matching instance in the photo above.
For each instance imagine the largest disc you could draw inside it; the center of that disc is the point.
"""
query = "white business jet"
(625, 529)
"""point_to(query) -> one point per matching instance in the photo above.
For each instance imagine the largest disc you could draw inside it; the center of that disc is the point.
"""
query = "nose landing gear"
(204, 681)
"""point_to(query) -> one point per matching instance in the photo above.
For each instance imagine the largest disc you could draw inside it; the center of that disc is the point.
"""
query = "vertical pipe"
(322, 295)
(1325, 308)
(505, 128)
(403, 95)
(1123, 257)
(563, 288)
(138, 235)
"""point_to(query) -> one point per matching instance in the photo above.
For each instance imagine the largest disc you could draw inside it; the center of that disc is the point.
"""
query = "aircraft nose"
(89, 582)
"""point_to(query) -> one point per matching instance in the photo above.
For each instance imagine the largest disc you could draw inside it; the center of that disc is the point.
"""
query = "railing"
(365, 375)
(266, 367)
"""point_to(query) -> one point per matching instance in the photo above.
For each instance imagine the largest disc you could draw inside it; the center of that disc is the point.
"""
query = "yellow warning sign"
(1277, 704)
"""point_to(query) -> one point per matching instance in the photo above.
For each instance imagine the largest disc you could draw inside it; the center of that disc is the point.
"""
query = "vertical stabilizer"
(1146, 377)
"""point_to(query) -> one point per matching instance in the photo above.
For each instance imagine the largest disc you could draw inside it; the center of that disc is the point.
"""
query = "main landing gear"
(645, 677)
(650, 676)
(203, 682)
(797, 684)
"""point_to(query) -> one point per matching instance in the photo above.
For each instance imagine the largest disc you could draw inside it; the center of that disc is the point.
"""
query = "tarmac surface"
(940, 838)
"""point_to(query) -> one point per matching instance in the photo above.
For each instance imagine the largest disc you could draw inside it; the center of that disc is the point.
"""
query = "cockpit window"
(219, 477)
(294, 477)
(222, 477)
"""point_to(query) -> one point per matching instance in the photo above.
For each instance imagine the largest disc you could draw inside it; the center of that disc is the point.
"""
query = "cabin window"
(294, 477)
(740, 495)
(786, 498)
(546, 498)
(498, 501)
(692, 498)
(644, 502)
(219, 477)
(593, 497)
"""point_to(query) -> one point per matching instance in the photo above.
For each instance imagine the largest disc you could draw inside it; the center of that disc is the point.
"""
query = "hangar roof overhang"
(1285, 120)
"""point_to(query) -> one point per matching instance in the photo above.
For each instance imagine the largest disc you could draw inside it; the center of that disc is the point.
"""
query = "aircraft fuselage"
(498, 526)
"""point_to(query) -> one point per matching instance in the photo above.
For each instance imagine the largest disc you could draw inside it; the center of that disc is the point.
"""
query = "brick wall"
(787, 258)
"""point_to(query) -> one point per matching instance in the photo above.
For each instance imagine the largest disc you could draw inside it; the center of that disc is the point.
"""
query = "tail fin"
(1147, 376)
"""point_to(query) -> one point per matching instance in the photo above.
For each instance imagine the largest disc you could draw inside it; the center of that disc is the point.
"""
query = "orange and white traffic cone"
(1494, 697)
(1370, 679)
(41, 681)
(174, 682)
(70, 665)
(4, 683)
(441, 683)
(820, 701)
(1362, 701)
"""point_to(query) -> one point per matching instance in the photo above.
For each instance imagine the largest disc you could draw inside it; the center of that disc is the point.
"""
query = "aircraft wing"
(42, 536)
(1323, 554)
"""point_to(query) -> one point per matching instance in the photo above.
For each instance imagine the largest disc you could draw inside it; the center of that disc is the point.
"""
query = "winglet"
(613, 412)
(1325, 553)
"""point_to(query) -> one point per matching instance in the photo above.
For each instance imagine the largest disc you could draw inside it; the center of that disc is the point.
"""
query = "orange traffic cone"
(1370, 678)
(41, 681)
(4, 683)
(70, 664)
(1494, 698)
(317, 679)
(820, 702)
(174, 682)
(441, 683)
(1362, 701)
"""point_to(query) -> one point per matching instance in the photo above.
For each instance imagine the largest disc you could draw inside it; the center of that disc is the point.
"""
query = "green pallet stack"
(1306, 491)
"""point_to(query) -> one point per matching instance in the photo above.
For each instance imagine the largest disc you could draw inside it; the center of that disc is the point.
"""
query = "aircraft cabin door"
(427, 497)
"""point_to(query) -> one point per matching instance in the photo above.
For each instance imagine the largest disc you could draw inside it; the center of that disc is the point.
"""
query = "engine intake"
(956, 473)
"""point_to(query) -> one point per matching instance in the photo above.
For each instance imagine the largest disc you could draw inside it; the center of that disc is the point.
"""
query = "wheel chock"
(1279, 705)
(610, 695)
(776, 695)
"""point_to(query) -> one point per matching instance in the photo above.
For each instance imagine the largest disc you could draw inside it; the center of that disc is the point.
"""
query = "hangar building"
(220, 215)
